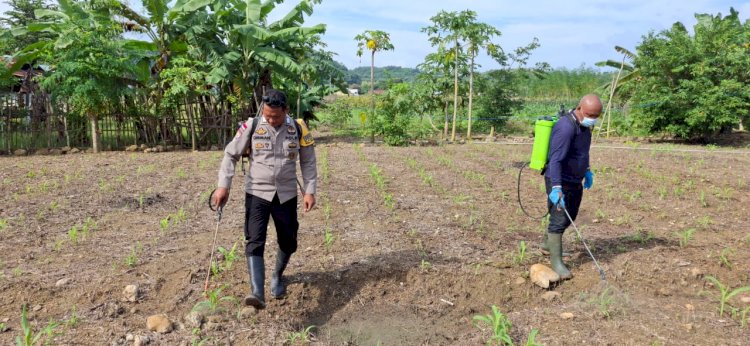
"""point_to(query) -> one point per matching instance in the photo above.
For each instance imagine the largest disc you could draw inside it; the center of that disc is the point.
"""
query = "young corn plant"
(499, 325)
(213, 301)
(73, 235)
(29, 337)
(328, 237)
(3, 224)
(303, 336)
(685, 236)
(132, 259)
(724, 257)
(725, 293)
(520, 256)
(230, 256)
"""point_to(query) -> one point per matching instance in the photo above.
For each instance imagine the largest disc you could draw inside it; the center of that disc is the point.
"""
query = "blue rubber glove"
(556, 197)
(588, 180)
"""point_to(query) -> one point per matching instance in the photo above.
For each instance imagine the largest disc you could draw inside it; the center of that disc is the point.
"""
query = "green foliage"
(213, 301)
(694, 86)
(685, 236)
(726, 292)
(303, 336)
(520, 255)
(229, 257)
(29, 338)
(500, 327)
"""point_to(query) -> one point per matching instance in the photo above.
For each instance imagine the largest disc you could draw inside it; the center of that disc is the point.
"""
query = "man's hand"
(221, 196)
(556, 197)
(308, 201)
(588, 180)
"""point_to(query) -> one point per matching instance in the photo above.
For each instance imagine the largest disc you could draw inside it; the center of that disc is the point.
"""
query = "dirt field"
(409, 258)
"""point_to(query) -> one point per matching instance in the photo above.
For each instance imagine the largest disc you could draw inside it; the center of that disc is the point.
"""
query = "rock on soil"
(159, 323)
(541, 275)
(551, 295)
(62, 282)
(139, 340)
(130, 293)
(567, 315)
(194, 320)
(19, 152)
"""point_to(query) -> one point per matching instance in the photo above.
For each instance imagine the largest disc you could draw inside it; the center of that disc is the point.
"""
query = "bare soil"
(410, 263)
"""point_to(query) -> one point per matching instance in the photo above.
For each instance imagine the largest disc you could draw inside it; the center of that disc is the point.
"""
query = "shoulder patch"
(305, 138)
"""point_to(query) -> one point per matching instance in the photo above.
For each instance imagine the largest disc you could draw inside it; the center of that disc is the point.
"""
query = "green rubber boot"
(554, 241)
(544, 247)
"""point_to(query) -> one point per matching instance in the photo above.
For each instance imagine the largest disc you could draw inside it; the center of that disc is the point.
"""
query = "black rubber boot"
(278, 287)
(554, 241)
(256, 269)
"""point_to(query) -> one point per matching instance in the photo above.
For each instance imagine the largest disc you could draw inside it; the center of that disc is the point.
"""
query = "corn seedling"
(230, 256)
(724, 258)
(181, 173)
(73, 320)
(520, 256)
(328, 237)
(303, 336)
(53, 206)
(705, 221)
(499, 324)
(3, 224)
(213, 301)
(702, 199)
(685, 236)
(73, 235)
(743, 317)
(29, 338)
(604, 303)
(164, 224)
(132, 259)
(425, 265)
(725, 292)
(30, 174)
(642, 238)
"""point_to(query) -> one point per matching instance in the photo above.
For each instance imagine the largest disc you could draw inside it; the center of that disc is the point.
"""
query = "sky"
(571, 33)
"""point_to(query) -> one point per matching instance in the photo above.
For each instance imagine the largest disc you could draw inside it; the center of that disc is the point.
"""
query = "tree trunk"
(191, 119)
(94, 133)
(455, 94)
(372, 97)
(445, 127)
(471, 96)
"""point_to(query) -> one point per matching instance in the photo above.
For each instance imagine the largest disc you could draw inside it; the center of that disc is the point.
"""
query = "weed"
(725, 292)
(29, 338)
(230, 256)
(73, 235)
(3, 224)
(213, 301)
(164, 224)
(634, 196)
(30, 174)
(662, 191)
(642, 238)
(705, 221)
(328, 237)
(53, 206)
(678, 191)
(73, 320)
(685, 236)
(600, 214)
(132, 259)
(520, 256)
(702, 199)
(304, 336)
(604, 302)
(500, 326)
(743, 317)
(724, 257)
(425, 265)
(181, 173)
(460, 198)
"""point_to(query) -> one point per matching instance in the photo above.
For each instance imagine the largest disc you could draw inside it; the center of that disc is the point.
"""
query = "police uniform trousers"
(257, 212)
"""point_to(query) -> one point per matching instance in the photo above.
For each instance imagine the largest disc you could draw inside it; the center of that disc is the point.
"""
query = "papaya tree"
(373, 41)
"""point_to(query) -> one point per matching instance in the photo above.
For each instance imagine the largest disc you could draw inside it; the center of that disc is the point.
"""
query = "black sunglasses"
(273, 103)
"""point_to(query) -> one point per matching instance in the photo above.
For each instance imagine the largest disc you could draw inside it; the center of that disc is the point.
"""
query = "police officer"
(567, 167)
(275, 143)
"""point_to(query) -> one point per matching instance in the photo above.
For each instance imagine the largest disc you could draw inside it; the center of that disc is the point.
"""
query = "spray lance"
(539, 153)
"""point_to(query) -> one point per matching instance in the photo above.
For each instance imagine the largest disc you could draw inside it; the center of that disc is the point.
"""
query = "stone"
(688, 327)
(132, 148)
(62, 282)
(37, 307)
(214, 326)
(147, 150)
(665, 291)
(65, 149)
(689, 307)
(696, 273)
(542, 275)
(42, 151)
(159, 323)
(130, 293)
(214, 148)
(143, 146)
(551, 295)
(75, 151)
(20, 152)
(248, 312)
(129, 337)
(194, 320)
(520, 281)
(159, 148)
(567, 315)
(139, 340)
(745, 299)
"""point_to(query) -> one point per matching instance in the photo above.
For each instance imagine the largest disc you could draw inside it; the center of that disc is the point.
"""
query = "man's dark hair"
(274, 98)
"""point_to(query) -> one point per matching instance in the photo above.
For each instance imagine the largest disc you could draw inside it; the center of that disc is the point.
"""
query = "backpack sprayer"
(539, 152)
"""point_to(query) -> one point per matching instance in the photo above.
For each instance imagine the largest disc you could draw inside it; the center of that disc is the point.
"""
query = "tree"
(21, 14)
(694, 86)
(478, 36)
(374, 41)
(451, 28)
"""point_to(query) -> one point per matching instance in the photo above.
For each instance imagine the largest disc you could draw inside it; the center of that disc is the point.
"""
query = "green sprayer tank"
(542, 134)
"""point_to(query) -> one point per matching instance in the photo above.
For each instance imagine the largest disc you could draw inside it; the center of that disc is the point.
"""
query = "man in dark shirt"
(567, 167)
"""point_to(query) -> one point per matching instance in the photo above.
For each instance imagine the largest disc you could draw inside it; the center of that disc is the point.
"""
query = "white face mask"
(588, 122)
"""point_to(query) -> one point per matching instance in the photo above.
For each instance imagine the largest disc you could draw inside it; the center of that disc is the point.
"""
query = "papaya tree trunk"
(372, 97)
(471, 96)
(94, 133)
(455, 94)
